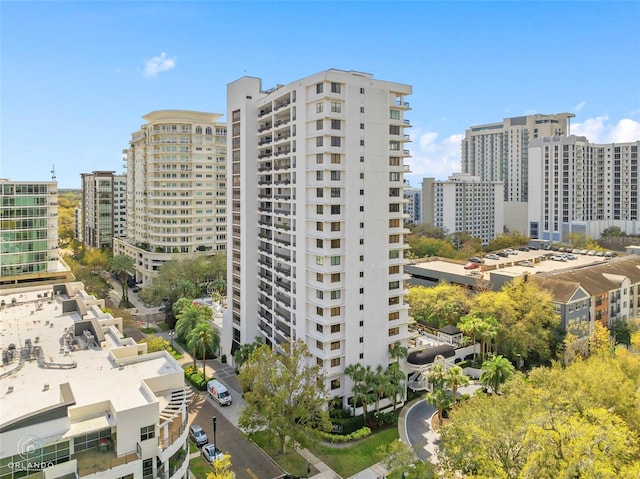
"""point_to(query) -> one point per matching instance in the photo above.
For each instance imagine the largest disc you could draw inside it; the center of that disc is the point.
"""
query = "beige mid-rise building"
(176, 190)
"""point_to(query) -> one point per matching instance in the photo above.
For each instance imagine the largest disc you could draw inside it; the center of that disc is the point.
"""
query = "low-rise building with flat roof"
(79, 399)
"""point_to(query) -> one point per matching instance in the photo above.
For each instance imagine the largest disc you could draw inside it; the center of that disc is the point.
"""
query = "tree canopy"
(439, 305)
(284, 394)
(576, 421)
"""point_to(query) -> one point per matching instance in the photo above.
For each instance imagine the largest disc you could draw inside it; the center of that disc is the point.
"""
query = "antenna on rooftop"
(53, 173)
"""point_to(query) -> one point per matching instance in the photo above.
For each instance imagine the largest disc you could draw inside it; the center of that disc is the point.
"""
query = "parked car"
(569, 256)
(523, 248)
(197, 435)
(503, 254)
(591, 253)
(528, 264)
(211, 453)
(471, 265)
(534, 247)
(510, 251)
(475, 259)
(557, 257)
(492, 256)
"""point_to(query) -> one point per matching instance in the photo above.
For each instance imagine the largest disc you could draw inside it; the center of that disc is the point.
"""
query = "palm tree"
(121, 266)
(187, 289)
(471, 324)
(362, 394)
(187, 321)
(454, 378)
(488, 331)
(436, 376)
(394, 385)
(496, 371)
(397, 351)
(204, 337)
(439, 399)
(379, 382)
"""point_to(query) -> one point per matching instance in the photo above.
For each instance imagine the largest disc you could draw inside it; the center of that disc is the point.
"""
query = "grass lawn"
(291, 462)
(345, 459)
(148, 330)
(199, 467)
(349, 459)
(163, 326)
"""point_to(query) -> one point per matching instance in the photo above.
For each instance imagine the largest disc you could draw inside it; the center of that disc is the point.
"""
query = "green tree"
(527, 322)
(485, 438)
(96, 259)
(397, 351)
(243, 353)
(455, 378)
(471, 324)
(155, 343)
(186, 289)
(439, 305)
(401, 461)
(203, 338)
(429, 231)
(441, 400)
(496, 371)
(394, 385)
(122, 265)
(284, 394)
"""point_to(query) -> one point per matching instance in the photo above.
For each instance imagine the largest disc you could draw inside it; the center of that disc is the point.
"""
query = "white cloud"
(580, 106)
(592, 128)
(599, 130)
(432, 157)
(161, 63)
(624, 131)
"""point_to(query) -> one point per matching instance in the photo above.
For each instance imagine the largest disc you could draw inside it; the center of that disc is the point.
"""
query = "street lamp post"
(171, 333)
(214, 431)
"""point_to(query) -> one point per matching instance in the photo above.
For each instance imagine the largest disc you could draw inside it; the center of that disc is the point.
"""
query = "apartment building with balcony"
(413, 204)
(500, 152)
(316, 240)
(29, 233)
(176, 190)
(585, 187)
(103, 207)
(81, 400)
(464, 203)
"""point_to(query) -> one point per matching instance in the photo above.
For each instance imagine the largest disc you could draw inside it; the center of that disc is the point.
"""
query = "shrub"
(383, 418)
(347, 425)
(195, 378)
(355, 435)
(223, 359)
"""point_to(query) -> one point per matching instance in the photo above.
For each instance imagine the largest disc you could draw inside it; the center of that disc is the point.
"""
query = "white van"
(219, 392)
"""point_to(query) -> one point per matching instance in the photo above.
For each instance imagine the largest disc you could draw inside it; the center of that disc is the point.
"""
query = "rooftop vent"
(46, 387)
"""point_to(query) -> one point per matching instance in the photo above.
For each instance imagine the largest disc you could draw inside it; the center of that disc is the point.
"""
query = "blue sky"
(76, 77)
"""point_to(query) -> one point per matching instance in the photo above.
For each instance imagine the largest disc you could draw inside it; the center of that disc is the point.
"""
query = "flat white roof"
(510, 267)
(94, 379)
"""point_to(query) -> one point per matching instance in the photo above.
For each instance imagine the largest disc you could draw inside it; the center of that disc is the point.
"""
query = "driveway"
(419, 433)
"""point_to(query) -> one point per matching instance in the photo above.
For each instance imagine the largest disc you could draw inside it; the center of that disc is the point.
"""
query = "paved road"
(419, 432)
(247, 460)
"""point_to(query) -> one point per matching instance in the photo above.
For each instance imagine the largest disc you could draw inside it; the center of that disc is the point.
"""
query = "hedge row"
(334, 438)
(195, 378)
